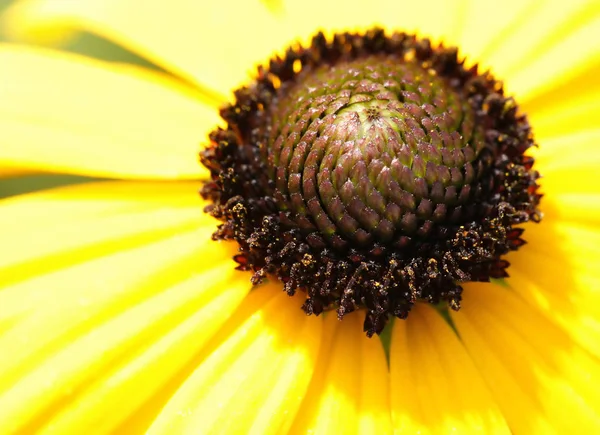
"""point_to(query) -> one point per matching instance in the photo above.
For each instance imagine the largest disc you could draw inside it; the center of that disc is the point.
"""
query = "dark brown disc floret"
(372, 171)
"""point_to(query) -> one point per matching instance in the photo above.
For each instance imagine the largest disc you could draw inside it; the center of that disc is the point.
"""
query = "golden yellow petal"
(547, 43)
(578, 208)
(487, 24)
(93, 338)
(130, 355)
(145, 375)
(61, 227)
(144, 417)
(95, 199)
(255, 377)
(564, 111)
(569, 164)
(408, 415)
(557, 272)
(559, 60)
(214, 44)
(432, 18)
(310, 408)
(435, 387)
(11, 171)
(568, 107)
(540, 379)
(349, 393)
(67, 113)
(225, 49)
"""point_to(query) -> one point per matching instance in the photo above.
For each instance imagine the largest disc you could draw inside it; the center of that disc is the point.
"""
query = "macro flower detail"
(120, 315)
(372, 171)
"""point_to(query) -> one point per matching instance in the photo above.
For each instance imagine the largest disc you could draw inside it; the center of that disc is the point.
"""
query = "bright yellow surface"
(218, 45)
(350, 391)
(569, 163)
(89, 221)
(252, 381)
(568, 290)
(197, 40)
(67, 113)
(119, 320)
(550, 42)
(562, 117)
(8, 172)
(535, 383)
(430, 368)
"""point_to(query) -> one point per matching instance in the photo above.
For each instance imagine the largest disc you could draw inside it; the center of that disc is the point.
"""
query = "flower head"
(118, 312)
(372, 171)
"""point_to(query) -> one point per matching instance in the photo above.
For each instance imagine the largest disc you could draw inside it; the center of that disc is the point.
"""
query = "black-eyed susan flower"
(372, 175)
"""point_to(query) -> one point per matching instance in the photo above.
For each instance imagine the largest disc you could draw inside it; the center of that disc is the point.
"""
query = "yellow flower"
(118, 315)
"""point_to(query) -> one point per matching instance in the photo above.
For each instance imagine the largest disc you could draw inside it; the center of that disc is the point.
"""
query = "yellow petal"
(578, 208)
(211, 44)
(572, 150)
(11, 171)
(488, 23)
(145, 416)
(349, 393)
(569, 164)
(408, 415)
(222, 63)
(61, 227)
(549, 42)
(96, 118)
(96, 199)
(132, 355)
(430, 371)
(557, 272)
(91, 339)
(574, 54)
(253, 381)
(432, 18)
(564, 111)
(542, 382)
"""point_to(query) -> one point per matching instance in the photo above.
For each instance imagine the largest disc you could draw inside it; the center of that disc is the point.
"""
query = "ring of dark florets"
(385, 280)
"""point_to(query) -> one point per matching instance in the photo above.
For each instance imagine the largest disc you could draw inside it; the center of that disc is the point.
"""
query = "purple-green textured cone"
(373, 149)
